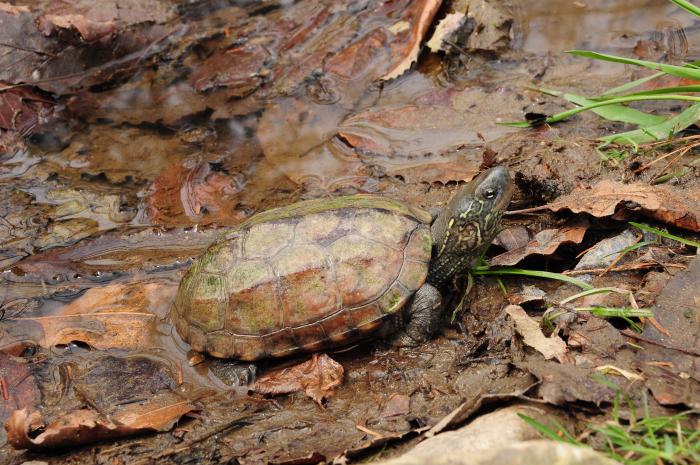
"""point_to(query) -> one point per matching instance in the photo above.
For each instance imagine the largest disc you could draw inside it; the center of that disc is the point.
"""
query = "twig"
(628, 267)
(5, 390)
(218, 429)
(369, 431)
(636, 336)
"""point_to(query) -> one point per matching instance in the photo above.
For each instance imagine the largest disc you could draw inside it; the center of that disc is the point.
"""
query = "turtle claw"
(404, 340)
(233, 373)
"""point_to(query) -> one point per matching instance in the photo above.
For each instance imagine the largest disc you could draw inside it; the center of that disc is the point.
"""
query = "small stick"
(3, 386)
(633, 335)
(369, 431)
(629, 267)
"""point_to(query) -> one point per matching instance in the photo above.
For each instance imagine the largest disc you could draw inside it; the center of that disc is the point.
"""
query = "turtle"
(324, 273)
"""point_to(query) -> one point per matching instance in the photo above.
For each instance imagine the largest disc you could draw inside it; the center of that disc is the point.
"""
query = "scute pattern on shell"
(289, 283)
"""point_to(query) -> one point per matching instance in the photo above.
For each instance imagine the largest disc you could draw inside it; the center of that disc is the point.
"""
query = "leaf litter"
(192, 117)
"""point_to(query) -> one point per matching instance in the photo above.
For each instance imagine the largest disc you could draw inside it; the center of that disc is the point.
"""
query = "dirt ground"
(132, 133)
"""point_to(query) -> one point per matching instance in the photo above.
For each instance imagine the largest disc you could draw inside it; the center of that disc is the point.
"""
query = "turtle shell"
(313, 275)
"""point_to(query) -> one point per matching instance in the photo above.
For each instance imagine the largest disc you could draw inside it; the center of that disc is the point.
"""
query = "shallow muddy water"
(129, 155)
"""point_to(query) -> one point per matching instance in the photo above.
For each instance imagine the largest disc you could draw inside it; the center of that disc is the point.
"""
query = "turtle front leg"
(423, 315)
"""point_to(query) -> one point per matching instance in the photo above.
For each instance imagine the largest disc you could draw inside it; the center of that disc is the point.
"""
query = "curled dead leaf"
(316, 378)
(28, 430)
(529, 329)
(18, 389)
(669, 204)
(420, 16)
(545, 242)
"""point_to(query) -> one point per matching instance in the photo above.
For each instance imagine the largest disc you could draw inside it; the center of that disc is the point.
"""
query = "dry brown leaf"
(513, 237)
(529, 329)
(420, 17)
(84, 426)
(96, 19)
(22, 109)
(114, 316)
(398, 404)
(438, 171)
(444, 29)
(316, 377)
(545, 242)
(18, 388)
(236, 68)
(668, 204)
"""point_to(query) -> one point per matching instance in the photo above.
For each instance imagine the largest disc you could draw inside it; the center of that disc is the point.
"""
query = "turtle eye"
(489, 193)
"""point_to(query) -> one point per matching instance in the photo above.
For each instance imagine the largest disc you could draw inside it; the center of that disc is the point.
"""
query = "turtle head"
(466, 226)
(486, 196)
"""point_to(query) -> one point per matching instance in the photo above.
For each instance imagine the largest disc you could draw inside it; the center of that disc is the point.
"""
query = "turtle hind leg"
(423, 317)
(234, 373)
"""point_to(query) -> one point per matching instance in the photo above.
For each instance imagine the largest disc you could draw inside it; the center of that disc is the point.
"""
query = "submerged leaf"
(84, 426)
(113, 316)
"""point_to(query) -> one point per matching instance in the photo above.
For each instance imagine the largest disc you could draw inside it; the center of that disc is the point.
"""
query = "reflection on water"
(224, 114)
(560, 25)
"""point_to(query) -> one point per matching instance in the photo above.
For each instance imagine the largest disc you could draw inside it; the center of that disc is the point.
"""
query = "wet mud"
(133, 133)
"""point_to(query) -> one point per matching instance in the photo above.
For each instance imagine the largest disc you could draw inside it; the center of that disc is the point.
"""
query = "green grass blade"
(665, 234)
(479, 271)
(616, 312)
(597, 290)
(611, 112)
(657, 132)
(658, 91)
(631, 85)
(617, 112)
(548, 432)
(631, 248)
(566, 114)
(689, 72)
(687, 6)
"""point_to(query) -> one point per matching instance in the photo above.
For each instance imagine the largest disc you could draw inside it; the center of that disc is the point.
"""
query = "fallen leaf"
(444, 29)
(116, 253)
(406, 130)
(238, 68)
(452, 169)
(22, 110)
(531, 295)
(607, 369)
(677, 310)
(192, 193)
(493, 26)
(316, 378)
(398, 404)
(107, 381)
(669, 204)
(84, 426)
(529, 329)
(420, 15)
(18, 388)
(114, 316)
(96, 19)
(606, 251)
(120, 35)
(513, 237)
(545, 242)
